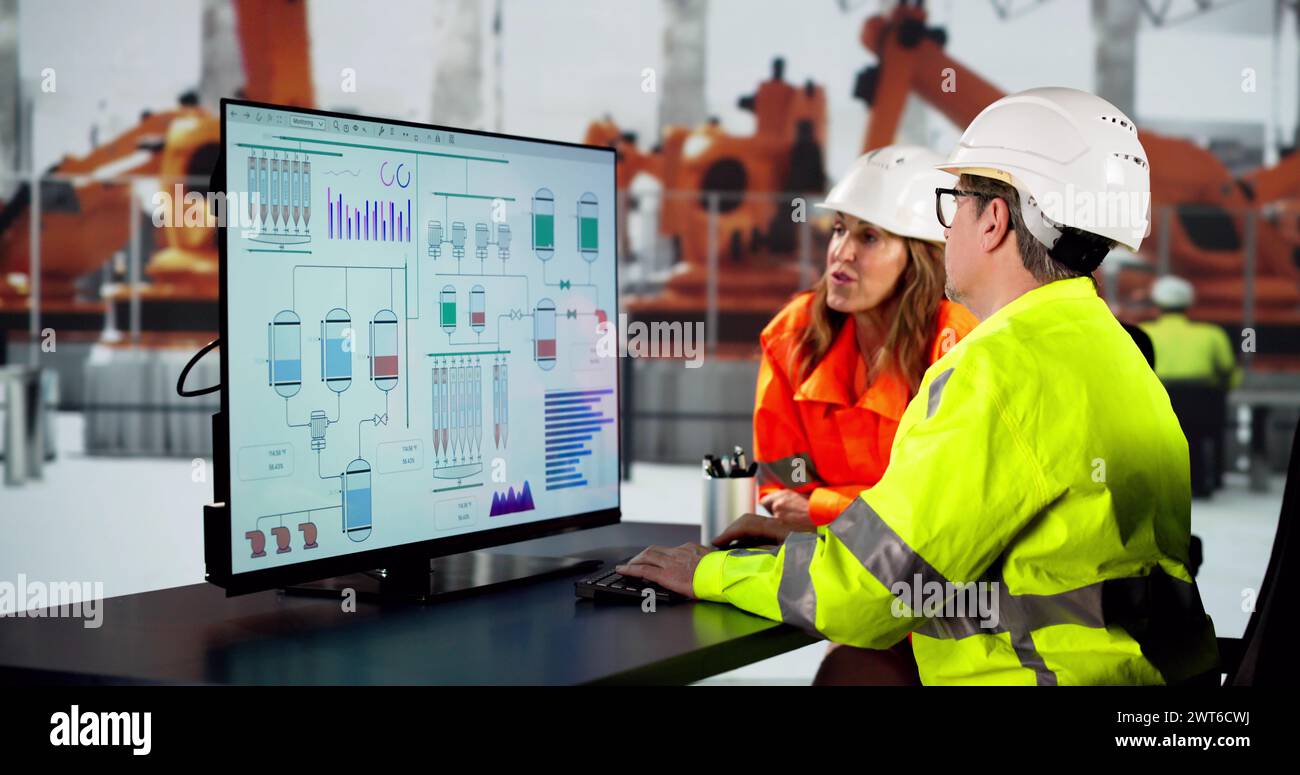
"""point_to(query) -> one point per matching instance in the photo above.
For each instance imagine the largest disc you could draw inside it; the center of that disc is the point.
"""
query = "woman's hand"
(790, 509)
(753, 529)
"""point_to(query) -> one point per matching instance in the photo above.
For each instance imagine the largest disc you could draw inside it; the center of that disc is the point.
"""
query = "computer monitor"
(411, 343)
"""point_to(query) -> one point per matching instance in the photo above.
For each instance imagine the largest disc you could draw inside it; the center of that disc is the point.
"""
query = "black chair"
(1202, 411)
(1143, 342)
(1265, 656)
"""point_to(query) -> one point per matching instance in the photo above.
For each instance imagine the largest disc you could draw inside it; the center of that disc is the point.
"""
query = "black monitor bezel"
(218, 548)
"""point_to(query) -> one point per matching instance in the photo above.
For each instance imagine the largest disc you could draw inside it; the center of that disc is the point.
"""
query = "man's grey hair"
(1033, 253)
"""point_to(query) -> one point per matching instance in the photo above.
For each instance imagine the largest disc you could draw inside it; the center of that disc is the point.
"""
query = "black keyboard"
(606, 585)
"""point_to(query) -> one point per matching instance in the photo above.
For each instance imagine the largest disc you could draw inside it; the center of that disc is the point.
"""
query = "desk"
(1272, 398)
(536, 633)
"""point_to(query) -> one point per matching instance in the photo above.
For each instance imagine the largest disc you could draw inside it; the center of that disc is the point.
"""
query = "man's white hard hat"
(893, 187)
(1076, 156)
(1171, 292)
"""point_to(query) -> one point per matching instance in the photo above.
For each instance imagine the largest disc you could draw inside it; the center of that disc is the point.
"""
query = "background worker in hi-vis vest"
(1033, 524)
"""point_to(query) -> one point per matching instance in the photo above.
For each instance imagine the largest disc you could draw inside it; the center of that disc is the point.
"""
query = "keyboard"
(606, 585)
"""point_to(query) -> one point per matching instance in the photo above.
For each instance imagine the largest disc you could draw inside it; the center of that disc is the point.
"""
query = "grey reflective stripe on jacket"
(936, 393)
(1157, 610)
(790, 472)
(796, 596)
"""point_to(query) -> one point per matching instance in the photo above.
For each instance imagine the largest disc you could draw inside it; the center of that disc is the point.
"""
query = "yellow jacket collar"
(1061, 290)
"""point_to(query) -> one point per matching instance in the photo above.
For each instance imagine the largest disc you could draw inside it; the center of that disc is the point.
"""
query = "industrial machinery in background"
(1205, 219)
(739, 188)
(86, 202)
(84, 214)
(97, 206)
(1208, 223)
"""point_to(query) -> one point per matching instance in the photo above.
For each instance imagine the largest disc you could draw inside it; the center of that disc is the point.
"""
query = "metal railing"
(649, 260)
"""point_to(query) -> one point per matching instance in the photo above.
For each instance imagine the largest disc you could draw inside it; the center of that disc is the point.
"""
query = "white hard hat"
(893, 187)
(1076, 156)
(1171, 292)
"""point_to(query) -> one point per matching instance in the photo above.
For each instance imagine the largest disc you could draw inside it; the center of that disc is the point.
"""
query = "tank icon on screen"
(544, 334)
(477, 309)
(356, 500)
(286, 353)
(544, 224)
(588, 231)
(383, 350)
(336, 350)
(447, 309)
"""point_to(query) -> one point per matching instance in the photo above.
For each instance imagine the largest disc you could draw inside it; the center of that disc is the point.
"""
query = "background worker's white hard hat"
(893, 187)
(1171, 292)
(1074, 153)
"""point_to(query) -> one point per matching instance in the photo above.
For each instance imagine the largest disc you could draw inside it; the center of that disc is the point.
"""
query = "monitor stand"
(445, 578)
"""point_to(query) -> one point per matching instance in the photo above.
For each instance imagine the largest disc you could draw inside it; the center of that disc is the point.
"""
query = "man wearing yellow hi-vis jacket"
(1033, 524)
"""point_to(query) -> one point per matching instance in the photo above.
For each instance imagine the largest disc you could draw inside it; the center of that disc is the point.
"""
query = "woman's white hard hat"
(893, 187)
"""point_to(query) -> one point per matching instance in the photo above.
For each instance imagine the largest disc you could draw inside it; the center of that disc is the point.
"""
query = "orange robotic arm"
(276, 51)
(911, 58)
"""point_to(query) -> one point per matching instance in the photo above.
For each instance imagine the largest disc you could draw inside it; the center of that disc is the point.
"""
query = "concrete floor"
(149, 512)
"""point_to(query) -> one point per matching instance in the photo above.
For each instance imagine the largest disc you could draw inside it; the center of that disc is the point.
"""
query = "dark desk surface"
(537, 633)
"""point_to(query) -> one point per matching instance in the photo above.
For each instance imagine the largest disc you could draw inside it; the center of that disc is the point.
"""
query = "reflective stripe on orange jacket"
(813, 437)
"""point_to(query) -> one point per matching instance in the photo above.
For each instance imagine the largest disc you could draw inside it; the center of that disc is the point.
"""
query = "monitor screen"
(413, 334)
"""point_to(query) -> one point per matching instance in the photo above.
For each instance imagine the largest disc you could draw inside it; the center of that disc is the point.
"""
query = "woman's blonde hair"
(919, 291)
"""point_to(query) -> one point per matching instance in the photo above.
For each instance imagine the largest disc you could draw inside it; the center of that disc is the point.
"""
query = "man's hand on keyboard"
(672, 569)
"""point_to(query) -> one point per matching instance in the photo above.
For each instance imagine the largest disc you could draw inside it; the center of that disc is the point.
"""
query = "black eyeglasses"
(946, 201)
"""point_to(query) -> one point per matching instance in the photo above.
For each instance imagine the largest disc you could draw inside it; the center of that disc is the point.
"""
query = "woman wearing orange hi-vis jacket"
(840, 362)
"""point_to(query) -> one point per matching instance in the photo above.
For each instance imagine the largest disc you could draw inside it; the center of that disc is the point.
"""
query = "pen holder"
(725, 499)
